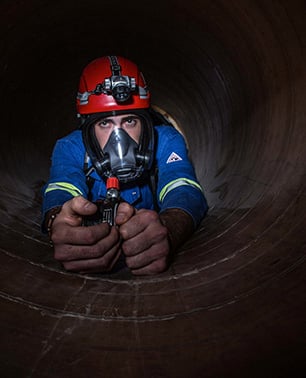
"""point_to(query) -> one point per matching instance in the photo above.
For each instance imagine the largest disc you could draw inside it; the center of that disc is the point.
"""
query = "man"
(162, 202)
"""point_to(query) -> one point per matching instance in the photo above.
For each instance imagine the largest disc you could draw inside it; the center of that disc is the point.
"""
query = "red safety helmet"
(111, 83)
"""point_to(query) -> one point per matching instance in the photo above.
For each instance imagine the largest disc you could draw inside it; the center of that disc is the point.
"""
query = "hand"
(83, 249)
(145, 240)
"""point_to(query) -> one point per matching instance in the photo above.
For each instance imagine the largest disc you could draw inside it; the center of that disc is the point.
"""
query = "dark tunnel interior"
(232, 75)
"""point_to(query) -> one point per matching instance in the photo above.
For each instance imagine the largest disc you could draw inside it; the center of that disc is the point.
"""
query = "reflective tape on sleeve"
(65, 186)
(177, 183)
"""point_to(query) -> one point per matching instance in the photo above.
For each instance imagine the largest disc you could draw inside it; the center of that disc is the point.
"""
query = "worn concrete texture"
(232, 74)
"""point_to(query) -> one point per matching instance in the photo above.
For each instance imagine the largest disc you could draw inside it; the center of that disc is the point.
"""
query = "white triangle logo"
(173, 157)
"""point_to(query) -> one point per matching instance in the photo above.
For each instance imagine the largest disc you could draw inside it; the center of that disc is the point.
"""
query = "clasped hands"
(138, 234)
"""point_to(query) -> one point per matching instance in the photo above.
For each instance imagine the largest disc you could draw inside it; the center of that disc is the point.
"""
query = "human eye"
(104, 123)
(130, 122)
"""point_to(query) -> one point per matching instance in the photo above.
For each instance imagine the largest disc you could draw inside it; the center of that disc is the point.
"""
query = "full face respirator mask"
(121, 156)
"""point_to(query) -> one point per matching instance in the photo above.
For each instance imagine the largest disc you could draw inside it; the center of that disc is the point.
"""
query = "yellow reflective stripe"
(73, 190)
(175, 184)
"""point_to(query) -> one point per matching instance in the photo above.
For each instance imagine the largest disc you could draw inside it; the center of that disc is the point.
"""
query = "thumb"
(79, 206)
(124, 213)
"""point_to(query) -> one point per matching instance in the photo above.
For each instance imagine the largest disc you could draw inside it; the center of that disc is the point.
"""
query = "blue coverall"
(176, 184)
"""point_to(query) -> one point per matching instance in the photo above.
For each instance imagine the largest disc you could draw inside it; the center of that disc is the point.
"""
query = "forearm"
(180, 226)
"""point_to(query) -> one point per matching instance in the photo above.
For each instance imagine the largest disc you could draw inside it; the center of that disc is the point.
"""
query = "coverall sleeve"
(178, 186)
(67, 178)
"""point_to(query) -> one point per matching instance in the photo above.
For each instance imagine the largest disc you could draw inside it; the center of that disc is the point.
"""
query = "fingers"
(145, 243)
(84, 249)
(145, 225)
(151, 261)
(88, 248)
(140, 234)
(100, 256)
(103, 263)
(157, 266)
(136, 242)
(78, 235)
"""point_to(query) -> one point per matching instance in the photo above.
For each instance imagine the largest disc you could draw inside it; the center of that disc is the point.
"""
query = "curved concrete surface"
(232, 74)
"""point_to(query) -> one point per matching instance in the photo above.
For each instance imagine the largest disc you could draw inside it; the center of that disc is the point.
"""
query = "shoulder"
(70, 146)
(73, 139)
(169, 137)
(167, 131)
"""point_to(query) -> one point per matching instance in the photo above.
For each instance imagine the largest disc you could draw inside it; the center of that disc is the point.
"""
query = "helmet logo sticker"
(173, 158)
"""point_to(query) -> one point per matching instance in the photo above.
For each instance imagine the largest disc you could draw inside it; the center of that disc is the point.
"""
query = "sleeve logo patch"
(173, 157)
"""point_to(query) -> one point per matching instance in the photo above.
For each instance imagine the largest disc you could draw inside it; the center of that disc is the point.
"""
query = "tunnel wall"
(232, 74)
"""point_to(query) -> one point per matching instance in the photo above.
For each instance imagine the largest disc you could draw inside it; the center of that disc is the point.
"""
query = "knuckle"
(163, 232)
(147, 216)
(151, 215)
(57, 255)
(160, 265)
(127, 248)
(104, 264)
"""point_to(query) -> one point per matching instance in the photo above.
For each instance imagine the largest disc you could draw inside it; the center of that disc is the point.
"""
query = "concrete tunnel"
(232, 75)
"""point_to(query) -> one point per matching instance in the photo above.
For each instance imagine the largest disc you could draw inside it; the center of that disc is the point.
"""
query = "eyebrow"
(109, 119)
(132, 116)
(105, 119)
